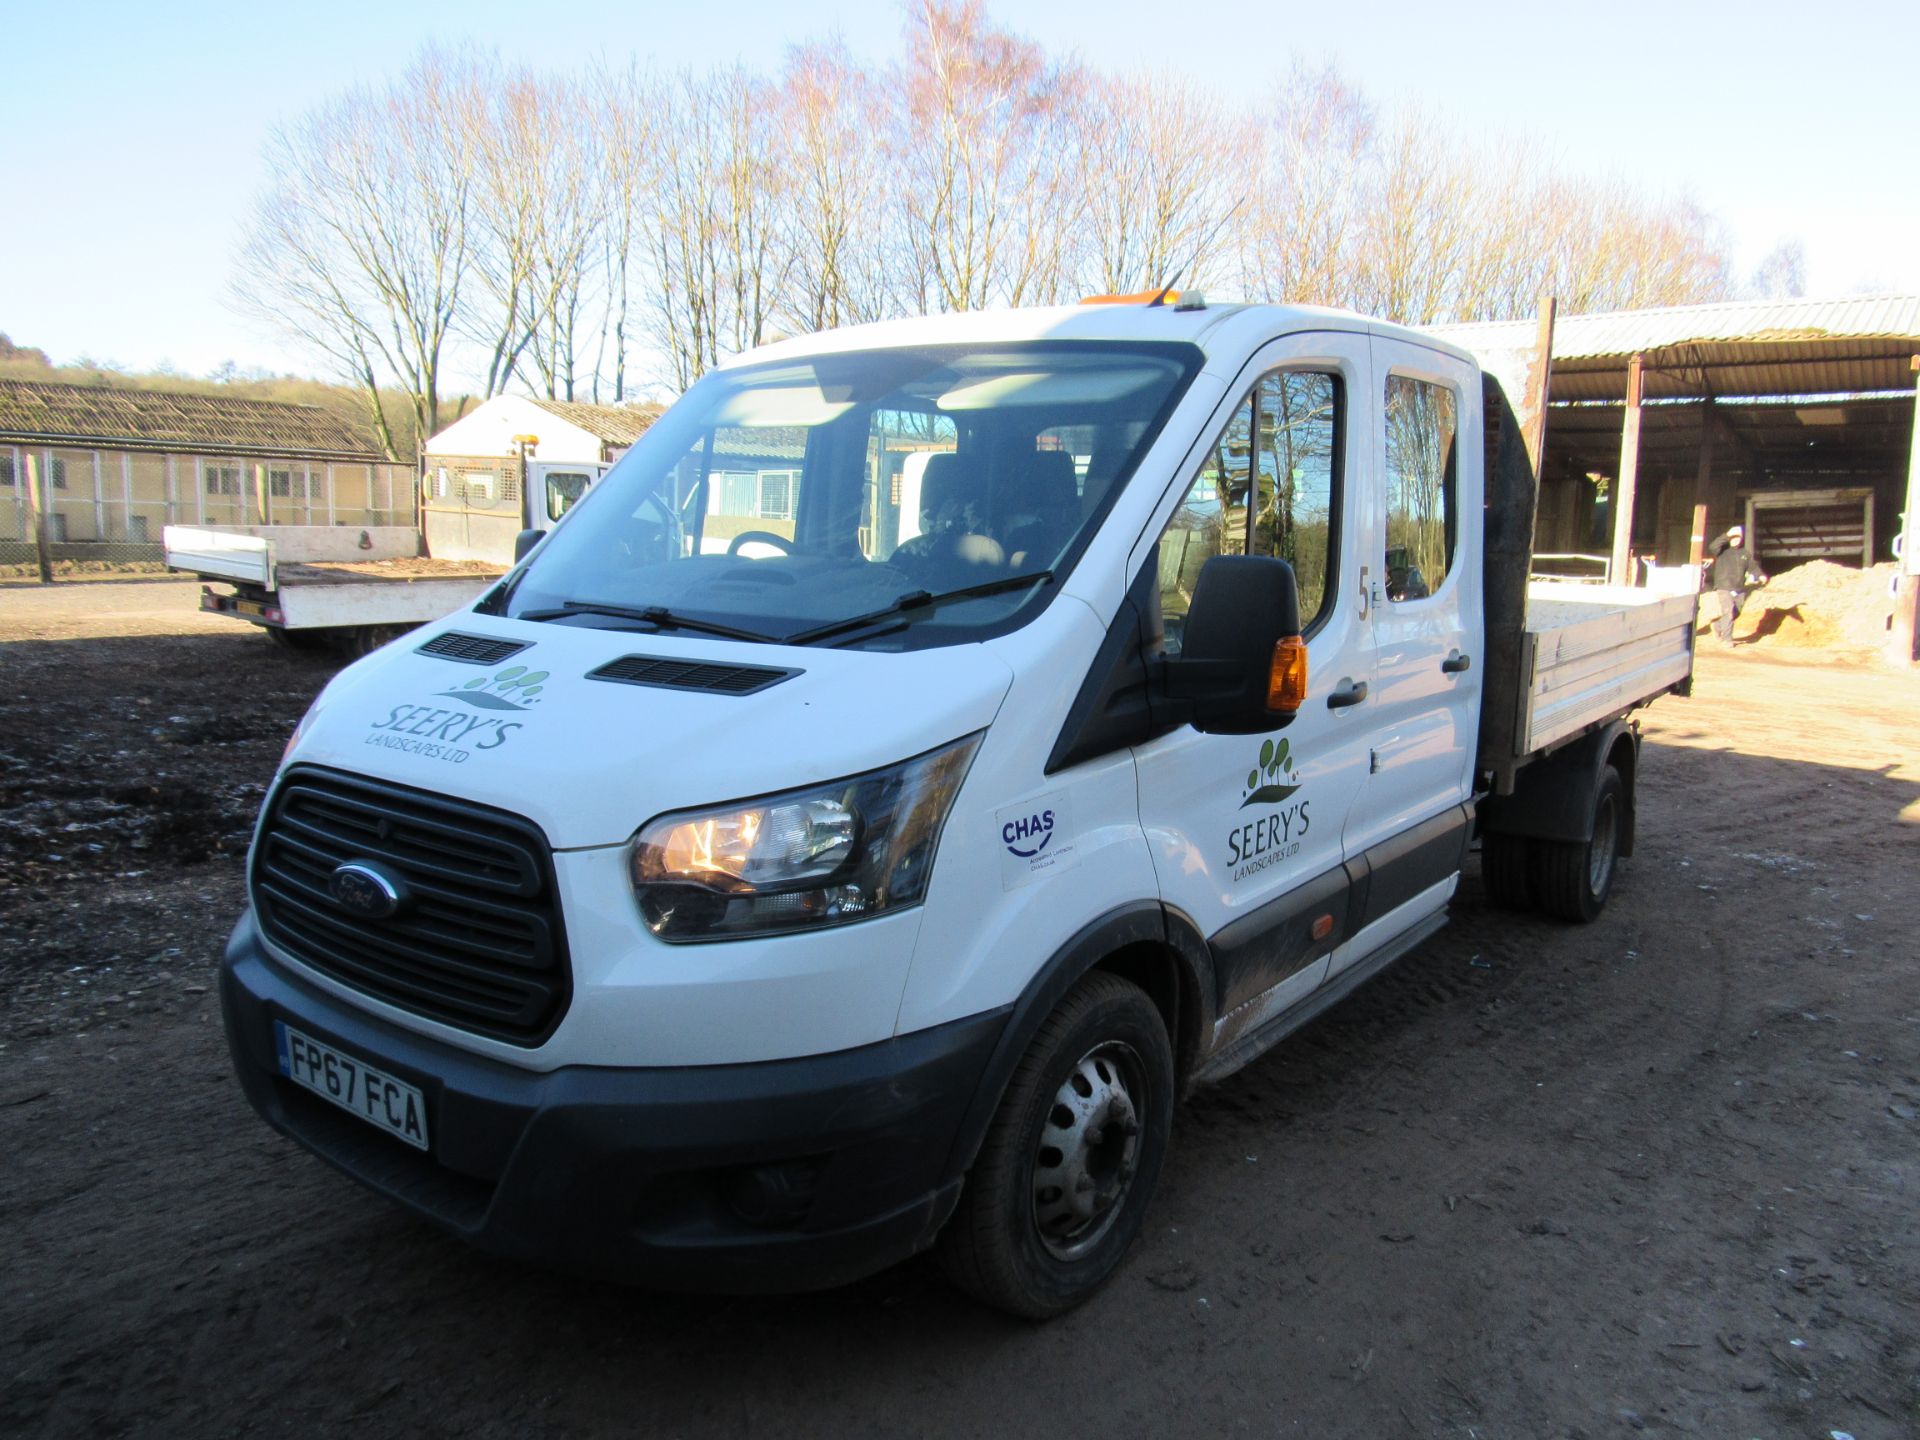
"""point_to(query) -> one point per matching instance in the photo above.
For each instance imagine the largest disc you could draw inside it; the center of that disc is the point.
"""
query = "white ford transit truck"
(1119, 687)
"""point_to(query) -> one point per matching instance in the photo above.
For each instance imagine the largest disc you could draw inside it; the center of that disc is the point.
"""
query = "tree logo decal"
(512, 689)
(1274, 779)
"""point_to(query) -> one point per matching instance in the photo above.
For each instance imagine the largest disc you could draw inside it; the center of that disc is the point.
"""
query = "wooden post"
(1625, 481)
(1702, 486)
(1533, 412)
(262, 503)
(37, 513)
(1905, 641)
(1513, 497)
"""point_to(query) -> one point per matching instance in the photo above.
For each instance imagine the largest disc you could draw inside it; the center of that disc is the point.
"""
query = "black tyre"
(1062, 1182)
(1572, 879)
(1504, 862)
(304, 643)
(355, 642)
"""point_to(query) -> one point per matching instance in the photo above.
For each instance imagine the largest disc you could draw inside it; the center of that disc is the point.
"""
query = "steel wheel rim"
(1088, 1150)
(1600, 851)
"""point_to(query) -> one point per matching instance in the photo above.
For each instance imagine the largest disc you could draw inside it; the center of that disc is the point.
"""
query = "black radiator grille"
(478, 942)
(691, 674)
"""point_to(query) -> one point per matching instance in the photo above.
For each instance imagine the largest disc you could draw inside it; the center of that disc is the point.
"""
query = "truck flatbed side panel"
(220, 554)
(1594, 652)
(386, 572)
(378, 602)
(301, 542)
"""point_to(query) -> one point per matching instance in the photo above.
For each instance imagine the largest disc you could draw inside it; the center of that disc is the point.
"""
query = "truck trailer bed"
(325, 578)
(1592, 652)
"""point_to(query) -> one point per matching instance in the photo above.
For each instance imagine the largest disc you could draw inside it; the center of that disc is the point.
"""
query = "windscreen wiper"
(658, 616)
(917, 600)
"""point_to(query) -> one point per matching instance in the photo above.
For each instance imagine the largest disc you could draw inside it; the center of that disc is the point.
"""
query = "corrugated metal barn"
(113, 466)
(1795, 417)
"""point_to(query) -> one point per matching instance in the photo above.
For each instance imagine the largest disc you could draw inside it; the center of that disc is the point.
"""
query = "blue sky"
(130, 133)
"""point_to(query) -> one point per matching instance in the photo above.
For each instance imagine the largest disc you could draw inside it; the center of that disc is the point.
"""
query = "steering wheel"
(779, 542)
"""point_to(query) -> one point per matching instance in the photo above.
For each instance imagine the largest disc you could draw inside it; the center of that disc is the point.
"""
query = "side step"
(1255, 1043)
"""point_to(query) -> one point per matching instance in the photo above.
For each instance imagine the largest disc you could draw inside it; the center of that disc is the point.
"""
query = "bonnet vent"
(691, 675)
(473, 649)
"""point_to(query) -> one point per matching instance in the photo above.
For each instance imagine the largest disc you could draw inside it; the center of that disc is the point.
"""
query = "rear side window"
(1421, 429)
(1266, 486)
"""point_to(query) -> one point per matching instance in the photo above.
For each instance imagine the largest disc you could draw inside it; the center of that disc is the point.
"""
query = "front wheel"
(1572, 879)
(1061, 1186)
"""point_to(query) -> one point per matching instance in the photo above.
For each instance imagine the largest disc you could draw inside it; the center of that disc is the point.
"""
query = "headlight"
(827, 855)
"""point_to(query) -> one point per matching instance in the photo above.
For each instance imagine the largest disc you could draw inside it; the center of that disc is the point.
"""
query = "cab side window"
(1211, 520)
(1421, 429)
(1266, 487)
(1299, 443)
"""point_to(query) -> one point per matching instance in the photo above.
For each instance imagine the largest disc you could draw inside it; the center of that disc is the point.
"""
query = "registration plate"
(352, 1084)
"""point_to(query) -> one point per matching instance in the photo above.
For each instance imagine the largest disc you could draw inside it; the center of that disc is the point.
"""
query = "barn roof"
(1855, 345)
(109, 417)
(611, 424)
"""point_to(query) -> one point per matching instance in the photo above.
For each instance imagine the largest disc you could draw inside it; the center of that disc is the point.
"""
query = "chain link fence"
(104, 511)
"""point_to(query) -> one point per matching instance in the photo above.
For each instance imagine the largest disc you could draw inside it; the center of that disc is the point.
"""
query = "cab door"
(1246, 830)
(1407, 832)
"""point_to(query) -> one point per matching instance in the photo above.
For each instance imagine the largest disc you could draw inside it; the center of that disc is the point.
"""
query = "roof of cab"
(1087, 322)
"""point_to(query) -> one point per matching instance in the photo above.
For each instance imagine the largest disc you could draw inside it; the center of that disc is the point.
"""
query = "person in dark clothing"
(1731, 573)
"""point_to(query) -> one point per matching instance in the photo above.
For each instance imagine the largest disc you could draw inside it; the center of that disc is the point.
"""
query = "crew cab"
(753, 916)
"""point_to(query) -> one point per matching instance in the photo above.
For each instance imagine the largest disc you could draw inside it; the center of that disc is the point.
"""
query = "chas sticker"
(1035, 836)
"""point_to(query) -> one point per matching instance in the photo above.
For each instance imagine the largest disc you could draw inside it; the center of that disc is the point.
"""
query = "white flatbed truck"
(753, 918)
(317, 586)
(351, 589)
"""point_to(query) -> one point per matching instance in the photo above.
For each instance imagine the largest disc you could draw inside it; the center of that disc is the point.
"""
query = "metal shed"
(1795, 417)
(108, 468)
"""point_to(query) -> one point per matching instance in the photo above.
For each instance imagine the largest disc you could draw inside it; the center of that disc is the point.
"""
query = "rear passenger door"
(1245, 830)
(1408, 827)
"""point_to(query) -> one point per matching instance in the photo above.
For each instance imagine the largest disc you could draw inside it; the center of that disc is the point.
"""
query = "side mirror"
(524, 542)
(1242, 667)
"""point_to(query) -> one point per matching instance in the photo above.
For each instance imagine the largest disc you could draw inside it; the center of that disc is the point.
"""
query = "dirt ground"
(1658, 1174)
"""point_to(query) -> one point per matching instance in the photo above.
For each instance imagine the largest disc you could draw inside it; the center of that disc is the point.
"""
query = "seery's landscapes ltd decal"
(1275, 831)
(476, 719)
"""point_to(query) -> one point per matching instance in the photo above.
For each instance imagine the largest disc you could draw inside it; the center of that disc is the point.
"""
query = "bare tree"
(623, 104)
(1165, 173)
(1782, 275)
(362, 247)
(566, 233)
(1308, 197)
(831, 118)
(541, 190)
(719, 256)
(971, 156)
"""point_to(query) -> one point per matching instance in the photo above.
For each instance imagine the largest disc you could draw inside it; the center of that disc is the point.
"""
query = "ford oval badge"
(367, 889)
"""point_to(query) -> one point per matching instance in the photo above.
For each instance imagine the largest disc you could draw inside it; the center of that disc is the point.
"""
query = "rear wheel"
(304, 643)
(1504, 861)
(1068, 1167)
(1572, 879)
(357, 641)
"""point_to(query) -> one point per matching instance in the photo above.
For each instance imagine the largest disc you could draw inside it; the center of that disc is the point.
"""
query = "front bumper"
(783, 1175)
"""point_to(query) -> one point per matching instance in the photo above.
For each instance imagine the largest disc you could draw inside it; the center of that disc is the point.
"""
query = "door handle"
(1351, 693)
(1456, 663)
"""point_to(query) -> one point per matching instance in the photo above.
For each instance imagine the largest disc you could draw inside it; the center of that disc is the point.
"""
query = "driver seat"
(951, 491)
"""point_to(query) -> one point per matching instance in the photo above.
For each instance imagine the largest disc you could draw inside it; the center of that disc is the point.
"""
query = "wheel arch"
(1553, 797)
(1152, 945)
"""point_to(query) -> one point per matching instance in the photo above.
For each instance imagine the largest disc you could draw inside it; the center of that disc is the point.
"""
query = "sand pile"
(1817, 606)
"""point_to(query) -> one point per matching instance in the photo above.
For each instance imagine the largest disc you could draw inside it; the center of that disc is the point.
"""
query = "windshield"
(942, 491)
